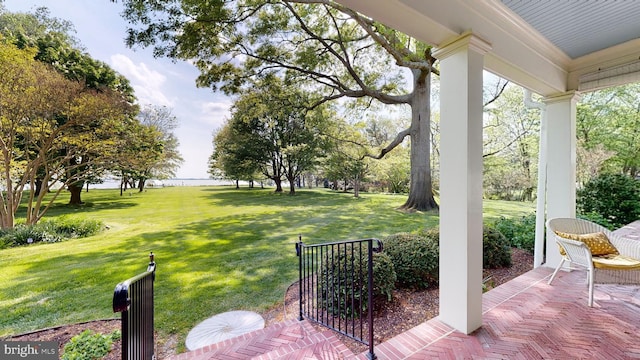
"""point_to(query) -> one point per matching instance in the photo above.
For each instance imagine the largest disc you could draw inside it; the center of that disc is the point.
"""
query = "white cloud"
(216, 107)
(214, 113)
(146, 82)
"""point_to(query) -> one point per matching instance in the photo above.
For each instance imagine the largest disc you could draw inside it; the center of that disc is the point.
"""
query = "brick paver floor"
(522, 319)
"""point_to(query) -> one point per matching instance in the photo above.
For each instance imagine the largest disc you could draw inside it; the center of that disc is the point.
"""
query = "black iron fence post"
(371, 355)
(299, 246)
(134, 299)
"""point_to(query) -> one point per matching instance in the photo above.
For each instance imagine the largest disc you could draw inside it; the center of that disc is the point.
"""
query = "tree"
(345, 158)
(510, 146)
(56, 46)
(97, 120)
(272, 129)
(25, 29)
(391, 173)
(610, 118)
(53, 38)
(589, 162)
(615, 197)
(160, 157)
(320, 43)
(139, 148)
(230, 158)
(53, 130)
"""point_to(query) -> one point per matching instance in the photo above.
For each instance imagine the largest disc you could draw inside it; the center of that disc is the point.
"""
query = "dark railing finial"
(152, 264)
(380, 247)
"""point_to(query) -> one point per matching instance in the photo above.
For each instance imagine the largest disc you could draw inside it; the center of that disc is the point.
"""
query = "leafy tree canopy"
(609, 121)
(56, 45)
(316, 44)
(272, 131)
(52, 130)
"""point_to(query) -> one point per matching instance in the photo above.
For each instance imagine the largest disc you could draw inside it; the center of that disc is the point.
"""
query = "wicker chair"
(611, 269)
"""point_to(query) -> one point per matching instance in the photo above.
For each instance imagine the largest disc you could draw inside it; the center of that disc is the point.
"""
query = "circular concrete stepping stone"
(223, 326)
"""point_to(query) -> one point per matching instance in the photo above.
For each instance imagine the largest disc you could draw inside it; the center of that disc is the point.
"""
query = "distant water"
(115, 184)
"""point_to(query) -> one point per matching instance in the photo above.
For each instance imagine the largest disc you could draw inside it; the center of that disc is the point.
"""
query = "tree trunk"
(38, 188)
(278, 185)
(7, 217)
(75, 191)
(123, 184)
(141, 184)
(9, 201)
(356, 187)
(527, 194)
(292, 187)
(420, 191)
(7, 221)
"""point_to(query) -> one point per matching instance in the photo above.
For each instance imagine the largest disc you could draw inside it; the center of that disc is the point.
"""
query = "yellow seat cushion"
(616, 262)
(598, 243)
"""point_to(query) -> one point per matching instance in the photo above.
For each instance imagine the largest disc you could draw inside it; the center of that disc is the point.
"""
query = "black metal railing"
(336, 286)
(134, 299)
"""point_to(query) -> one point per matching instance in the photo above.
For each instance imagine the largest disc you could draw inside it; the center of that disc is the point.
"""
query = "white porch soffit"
(547, 46)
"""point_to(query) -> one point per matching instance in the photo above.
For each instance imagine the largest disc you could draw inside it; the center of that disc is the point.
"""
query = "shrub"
(496, 251)
(344, 281)
(4, 238)
(415, 258)
(384, 275)
(53, 230)
(520, 232)
(89, 345)
(616, 197)
(74, 227)
(598, 219)
(22, 234)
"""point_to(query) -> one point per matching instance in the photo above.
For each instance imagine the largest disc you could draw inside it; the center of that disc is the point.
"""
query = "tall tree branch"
(344, 60)
(397, 141)
(499, 90)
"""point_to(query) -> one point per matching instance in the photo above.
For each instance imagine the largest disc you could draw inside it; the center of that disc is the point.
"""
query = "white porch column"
(561, 163)
(461, 65)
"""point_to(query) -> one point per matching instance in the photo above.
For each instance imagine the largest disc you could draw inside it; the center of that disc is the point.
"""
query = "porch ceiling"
(579, 28)
(546, 46)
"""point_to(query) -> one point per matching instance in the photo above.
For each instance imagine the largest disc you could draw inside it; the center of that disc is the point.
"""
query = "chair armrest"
(625, 246)
(576, 251)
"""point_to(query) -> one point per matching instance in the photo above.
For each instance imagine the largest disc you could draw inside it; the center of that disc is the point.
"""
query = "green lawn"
(217, 249)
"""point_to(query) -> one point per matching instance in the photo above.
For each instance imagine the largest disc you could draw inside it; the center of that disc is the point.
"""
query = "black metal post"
(299, 246)
(371, 355)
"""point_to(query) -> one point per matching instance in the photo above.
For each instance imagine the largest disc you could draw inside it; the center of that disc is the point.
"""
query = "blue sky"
(156, 81)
